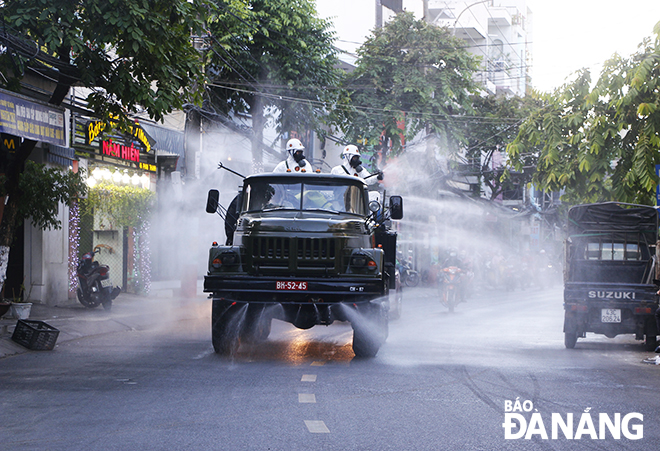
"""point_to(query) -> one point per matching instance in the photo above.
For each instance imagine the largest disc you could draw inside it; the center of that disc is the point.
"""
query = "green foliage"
(497, 121)
(408, 71)
(125, 206)
(599, 143)
(135, 54)
(266, 53)
(43, 189)
(278, 48)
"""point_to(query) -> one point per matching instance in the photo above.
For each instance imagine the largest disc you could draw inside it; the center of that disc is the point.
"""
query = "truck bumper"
(294, 290)
(632, 307)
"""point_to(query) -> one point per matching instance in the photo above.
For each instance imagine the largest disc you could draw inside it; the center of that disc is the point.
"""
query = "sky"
(567, 34)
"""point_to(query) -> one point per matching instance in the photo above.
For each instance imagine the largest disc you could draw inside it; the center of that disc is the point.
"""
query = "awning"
(61, 155)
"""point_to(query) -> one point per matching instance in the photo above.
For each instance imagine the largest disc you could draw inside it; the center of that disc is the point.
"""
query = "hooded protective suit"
(349, 156)
(295, 161)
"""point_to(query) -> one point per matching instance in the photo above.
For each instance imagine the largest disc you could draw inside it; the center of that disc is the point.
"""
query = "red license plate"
(291, 286)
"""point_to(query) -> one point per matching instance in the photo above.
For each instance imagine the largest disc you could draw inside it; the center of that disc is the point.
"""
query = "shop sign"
(94, 128)
(9, 143)
(120, 151)
(31, 120)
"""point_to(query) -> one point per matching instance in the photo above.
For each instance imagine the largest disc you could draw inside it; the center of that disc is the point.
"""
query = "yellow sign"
(95, 128)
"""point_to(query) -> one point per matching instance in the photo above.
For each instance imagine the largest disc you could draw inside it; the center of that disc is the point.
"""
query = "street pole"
(379, 14)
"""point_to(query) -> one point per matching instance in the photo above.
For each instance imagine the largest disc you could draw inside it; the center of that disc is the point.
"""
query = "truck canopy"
(611, 217)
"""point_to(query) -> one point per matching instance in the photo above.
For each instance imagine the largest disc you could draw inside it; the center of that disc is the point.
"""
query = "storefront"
(122, 171)
(37, 260)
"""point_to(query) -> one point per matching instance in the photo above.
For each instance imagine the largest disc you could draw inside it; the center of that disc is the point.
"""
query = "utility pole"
(379, 14)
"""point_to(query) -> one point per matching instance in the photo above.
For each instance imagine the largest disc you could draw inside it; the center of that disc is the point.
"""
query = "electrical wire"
(369, 109)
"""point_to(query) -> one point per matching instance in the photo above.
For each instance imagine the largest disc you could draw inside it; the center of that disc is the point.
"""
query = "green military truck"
(308, 249)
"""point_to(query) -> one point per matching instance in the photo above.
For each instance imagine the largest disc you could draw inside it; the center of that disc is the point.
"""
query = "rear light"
(642, 310)
(103, 271)
(371, 265)
(578, 308)
(216, 263)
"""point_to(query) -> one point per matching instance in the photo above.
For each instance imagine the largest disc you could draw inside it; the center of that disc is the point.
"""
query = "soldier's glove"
(380, 176)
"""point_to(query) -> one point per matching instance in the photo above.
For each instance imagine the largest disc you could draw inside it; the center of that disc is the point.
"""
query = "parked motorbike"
(409, 276)
(452, 290)
(94, 284)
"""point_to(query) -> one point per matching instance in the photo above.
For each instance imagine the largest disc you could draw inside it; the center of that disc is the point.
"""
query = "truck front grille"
(291, 254)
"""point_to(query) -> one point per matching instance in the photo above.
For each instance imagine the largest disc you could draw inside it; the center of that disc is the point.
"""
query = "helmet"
(294, 144)
(352, 155)
(295, 149)
(350, 151)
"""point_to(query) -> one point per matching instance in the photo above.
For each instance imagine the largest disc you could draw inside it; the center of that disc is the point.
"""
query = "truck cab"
(307, 249)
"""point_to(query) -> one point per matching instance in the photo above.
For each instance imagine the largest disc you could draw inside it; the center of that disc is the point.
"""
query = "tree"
(272, 56)
(599, 143)
(496, 123)
(42, 190)
(411, 76)
(133, 54)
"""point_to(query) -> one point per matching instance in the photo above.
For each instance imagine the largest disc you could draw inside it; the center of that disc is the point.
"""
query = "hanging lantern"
(145, 181)
(116, 177)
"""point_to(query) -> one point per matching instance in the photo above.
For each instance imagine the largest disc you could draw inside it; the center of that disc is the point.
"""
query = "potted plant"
(20, 307)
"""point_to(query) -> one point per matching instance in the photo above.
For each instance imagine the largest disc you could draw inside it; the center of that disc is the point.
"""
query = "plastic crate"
(35, 335)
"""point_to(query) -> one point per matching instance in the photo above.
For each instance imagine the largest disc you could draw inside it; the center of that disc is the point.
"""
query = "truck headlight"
(228, 258)
(363, 261)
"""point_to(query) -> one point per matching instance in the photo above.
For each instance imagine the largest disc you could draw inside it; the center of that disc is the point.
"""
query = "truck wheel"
(224, 327)
(257, 325)
(570, 338)
(371, 334)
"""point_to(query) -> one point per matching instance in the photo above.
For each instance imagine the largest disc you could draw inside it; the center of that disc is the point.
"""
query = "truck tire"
(225, 327)
(257, 325)
(370, 334)
(570, 339)
(650, 342)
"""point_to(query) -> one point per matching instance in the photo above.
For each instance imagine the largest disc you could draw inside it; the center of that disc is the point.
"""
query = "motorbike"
(409, 276)
(451, 289)
(94, 284)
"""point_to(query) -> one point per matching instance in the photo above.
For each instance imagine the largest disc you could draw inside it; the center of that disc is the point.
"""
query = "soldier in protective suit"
(352, 165)
(295, 161)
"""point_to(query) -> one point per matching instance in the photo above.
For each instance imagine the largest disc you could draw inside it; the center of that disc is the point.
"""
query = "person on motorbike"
(295, 161)
(352, 165)
(454, 260)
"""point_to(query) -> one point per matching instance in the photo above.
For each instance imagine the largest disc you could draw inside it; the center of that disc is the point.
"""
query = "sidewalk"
(129, 312)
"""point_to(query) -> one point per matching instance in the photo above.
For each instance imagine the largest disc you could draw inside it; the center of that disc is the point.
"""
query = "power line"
(368, 109)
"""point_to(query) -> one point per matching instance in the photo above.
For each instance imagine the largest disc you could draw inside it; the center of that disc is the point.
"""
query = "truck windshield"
(267, 196)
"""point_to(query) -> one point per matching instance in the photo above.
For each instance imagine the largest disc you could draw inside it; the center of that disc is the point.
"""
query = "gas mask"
(299, 157)
(356, 163)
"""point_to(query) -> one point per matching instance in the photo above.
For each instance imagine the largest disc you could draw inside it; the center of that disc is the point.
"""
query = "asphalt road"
(442, 382)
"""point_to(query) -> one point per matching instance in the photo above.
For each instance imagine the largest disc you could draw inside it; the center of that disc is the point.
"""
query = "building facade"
(499, 31)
